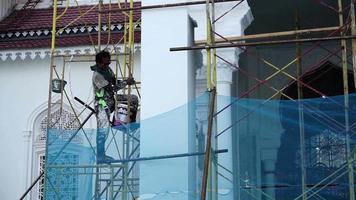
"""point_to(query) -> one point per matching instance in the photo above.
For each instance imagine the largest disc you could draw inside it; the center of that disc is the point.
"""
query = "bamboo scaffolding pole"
(270, 35)
(301, 112)
(165, 6)
(99, 24)
(353, 32)
(130, 62)
(64, 12)
(108, 19)
(214, 159)
(85, 25)
(62, 90)
(97, 177)
(79, 17)
(127, 72)
(84, 55)
(124, 137)
(207, 178)
(212, 38)
(273, 42)
(51, 73)
(208, 51)
(346, 103)
(208, 145)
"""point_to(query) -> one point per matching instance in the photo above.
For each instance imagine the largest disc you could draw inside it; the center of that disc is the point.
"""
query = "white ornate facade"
(23, 111)
(25, 73)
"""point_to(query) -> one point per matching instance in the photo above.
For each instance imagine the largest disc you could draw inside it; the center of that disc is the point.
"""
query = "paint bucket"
(58, 85)
(121, 116)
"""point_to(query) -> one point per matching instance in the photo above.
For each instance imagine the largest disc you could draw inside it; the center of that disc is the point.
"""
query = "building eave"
(44, 53)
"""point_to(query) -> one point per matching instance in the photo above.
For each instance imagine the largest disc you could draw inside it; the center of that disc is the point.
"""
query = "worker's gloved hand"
(118, 86)
(121, 84)
(130, 81)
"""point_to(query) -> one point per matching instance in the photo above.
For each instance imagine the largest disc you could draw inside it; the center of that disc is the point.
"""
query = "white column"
(27, 160)
(166, 90)
(224, 120)
(225, 72)
(269, 167)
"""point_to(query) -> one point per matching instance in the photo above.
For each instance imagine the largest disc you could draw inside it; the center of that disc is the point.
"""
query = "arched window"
(60, 119)
(325, 145)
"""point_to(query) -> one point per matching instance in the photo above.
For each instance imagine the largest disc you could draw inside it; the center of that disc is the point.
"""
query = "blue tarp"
(265, 151)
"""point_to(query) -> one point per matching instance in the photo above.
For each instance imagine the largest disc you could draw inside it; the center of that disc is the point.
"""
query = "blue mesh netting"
(263, 160)
(64, 178)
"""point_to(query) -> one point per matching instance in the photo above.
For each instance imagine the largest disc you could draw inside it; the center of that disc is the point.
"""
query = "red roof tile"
(64, 41)
(42, 18)
(39, 19)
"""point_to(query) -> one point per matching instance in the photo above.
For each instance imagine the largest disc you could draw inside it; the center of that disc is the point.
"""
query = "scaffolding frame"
(212, 43)
(239, 42)
(128, 54)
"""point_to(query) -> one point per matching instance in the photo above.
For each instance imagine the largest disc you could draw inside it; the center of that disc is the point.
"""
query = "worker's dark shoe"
(101, 158)
(132, 127)
(104, 159)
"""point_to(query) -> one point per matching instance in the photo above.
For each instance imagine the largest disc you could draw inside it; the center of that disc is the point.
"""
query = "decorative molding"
(68, 31)
(224, 69)
(246, 20)
(48, 3)
(37, 153)
(36, 112)
(45, 53)
(224, 73)
(27, 135)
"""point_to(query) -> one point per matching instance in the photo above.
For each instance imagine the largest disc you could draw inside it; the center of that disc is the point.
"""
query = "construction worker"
(105, 86)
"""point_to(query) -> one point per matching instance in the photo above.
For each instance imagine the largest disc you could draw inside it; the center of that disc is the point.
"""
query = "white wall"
(164, 70)
(165, 87)
(24, 89)
(165, 77)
